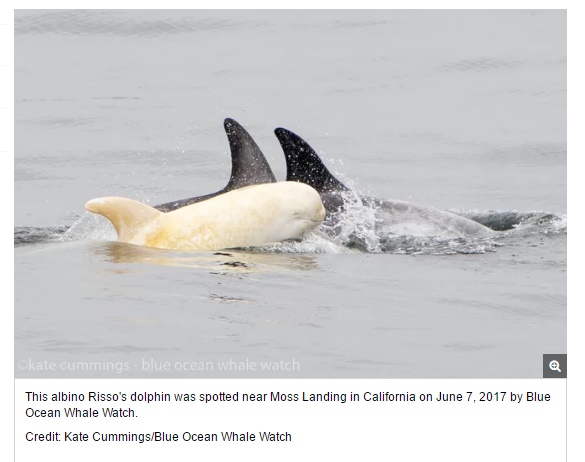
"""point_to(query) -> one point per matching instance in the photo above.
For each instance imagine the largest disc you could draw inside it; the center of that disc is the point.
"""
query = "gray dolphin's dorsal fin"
(249, 166)
(304, 165)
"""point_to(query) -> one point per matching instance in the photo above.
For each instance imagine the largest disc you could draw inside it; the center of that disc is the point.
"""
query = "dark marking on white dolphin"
(249, 166)
(396, 217)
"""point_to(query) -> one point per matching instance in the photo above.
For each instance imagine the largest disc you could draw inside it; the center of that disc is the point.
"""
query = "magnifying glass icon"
(554, 365)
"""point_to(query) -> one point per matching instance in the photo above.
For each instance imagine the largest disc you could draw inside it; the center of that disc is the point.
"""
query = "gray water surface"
(458, 110)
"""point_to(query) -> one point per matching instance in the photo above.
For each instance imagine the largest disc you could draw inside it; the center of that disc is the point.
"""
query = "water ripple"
(481, 65)
(145, 24)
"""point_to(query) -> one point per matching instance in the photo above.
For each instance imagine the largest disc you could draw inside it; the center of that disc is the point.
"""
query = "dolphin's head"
(305, 208)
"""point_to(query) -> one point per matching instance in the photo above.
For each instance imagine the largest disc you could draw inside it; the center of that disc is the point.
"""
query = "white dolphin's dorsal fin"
(126, 215)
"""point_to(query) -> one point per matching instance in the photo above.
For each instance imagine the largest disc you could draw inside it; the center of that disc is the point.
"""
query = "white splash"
(90, 227)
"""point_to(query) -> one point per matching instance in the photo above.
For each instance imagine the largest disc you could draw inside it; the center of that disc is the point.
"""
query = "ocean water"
(459, 110)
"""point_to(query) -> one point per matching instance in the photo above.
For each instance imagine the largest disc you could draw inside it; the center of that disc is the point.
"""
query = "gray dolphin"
(249, 166)
(391, 216)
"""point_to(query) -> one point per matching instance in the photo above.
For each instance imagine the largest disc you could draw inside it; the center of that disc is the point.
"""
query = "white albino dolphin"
(250, 216)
